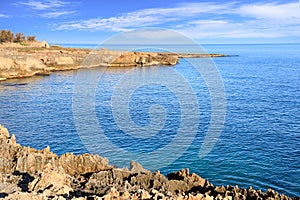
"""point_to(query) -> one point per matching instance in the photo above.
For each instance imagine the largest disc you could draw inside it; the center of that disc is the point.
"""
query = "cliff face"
(27, 173)
(18, 62)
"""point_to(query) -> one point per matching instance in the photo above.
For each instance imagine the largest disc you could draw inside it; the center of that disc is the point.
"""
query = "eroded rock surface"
(17, 61)
(27, 173)
(26, 61)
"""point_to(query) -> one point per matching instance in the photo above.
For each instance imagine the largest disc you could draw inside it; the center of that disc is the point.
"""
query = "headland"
(38, 58)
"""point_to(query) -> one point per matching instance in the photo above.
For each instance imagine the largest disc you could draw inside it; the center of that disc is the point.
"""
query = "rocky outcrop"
(27, 173)
(17, 61)
(26, 61)
(197, 55)
(28, 160)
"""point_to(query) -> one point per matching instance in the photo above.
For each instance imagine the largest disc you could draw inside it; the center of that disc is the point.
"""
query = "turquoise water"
(259, 144)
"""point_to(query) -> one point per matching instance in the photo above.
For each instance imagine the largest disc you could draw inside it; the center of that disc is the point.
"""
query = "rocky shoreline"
(17, 61)
(27, 173)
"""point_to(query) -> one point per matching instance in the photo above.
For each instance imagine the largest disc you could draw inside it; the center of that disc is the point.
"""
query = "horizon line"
(56, 43)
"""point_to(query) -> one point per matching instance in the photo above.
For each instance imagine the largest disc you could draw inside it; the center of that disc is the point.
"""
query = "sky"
(206, 22)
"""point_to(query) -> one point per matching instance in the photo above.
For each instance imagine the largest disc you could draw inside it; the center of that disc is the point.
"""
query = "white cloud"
(145, 17)
(186, 10)
(271, 11)
(3, 15)
(49, 8)
(205, 20)
(120, 23)
(56, 14)
(39, 5)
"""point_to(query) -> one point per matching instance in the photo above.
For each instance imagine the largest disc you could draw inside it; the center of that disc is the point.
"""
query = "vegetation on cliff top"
(9, 36)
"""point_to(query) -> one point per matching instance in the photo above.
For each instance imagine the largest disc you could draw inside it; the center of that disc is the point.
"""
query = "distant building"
(45, 44)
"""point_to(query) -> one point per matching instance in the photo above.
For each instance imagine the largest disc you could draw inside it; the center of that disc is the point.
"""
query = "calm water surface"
(260, 141)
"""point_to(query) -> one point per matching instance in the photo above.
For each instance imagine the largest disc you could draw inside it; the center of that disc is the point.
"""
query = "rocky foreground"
(17, 61)
(27, 173)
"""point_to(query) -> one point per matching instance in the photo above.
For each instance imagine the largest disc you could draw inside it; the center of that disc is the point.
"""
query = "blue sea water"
(260, 142)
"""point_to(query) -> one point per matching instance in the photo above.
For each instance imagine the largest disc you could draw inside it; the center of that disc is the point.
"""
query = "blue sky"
(211, 21)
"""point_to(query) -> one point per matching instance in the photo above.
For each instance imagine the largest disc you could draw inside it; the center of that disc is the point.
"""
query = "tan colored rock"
(9, 188)
(4, 132)
(52, 181)
(64, 61)
(34, 162)
(25, 196)
(83, 164)
(13, 157)
(27, 173)
(112, 194)
(182, 181)
(137, 167)
(25, 61)
(6, 63)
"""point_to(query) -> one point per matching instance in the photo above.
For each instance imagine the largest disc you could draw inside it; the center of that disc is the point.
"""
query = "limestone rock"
(52, 181)
(25, 196)
(83, 164)
(10, 183)
(137, 167)
(27, 173)
(21, 61)
(64, 61)
(3, 132)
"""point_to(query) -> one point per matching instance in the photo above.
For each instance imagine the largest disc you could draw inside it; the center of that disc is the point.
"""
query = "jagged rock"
(4, 134)
(27, 173)
(83, 164)
(112, 194)
(52, 181)
(142, 194)
(33, 161)
(182, 181)
(9, 188)
(25, 196)
(220, 189)
(137, 167)
(13, 157)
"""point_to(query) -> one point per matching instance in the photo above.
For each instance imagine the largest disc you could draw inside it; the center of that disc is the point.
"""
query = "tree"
(31, 38)
(20, 37)
(6, 36)
(10, 36)
(2, 36)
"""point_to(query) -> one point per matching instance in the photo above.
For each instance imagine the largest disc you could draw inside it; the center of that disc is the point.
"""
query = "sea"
(232, 120)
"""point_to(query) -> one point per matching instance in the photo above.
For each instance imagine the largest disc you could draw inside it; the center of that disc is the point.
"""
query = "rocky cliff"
(17, 61)
(27, 173)
(26, 61)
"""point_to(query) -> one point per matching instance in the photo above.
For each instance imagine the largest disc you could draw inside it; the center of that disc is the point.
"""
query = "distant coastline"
(94, 45)
(39, 58)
